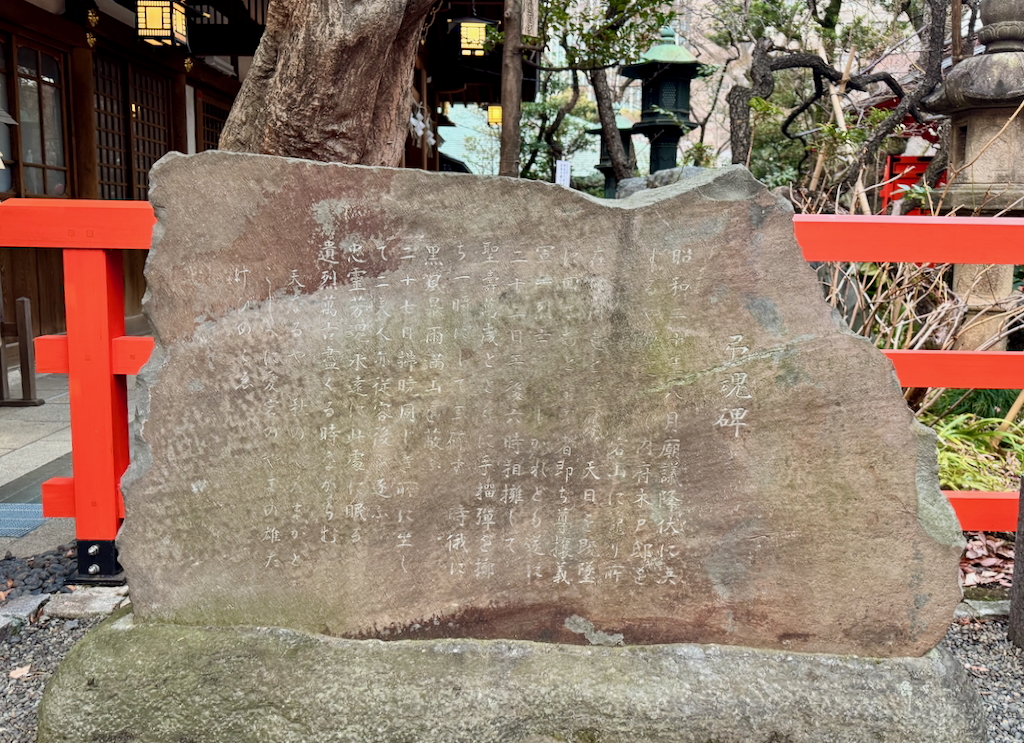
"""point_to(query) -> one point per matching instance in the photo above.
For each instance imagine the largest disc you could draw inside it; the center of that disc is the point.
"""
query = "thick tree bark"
(511, 90)
(621, 164)
(1016, 626)
(763, 84)
(331, 81)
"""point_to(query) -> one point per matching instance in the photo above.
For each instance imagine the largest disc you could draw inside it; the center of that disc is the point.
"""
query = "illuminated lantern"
(472, 35)
(162, 22)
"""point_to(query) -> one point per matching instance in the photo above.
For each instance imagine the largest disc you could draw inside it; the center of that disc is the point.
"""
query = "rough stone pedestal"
(147, 683)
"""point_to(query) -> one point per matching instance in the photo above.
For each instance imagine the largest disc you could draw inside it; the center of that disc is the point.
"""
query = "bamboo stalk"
(835, 93)
(1011, 415)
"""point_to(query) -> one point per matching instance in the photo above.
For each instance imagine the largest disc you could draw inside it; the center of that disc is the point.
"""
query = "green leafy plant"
(554, 128)
(974, 455)
(982, 403)
(773, 159)
(699, 154)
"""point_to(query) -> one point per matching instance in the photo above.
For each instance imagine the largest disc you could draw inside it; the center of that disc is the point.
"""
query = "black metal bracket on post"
(22, 328)
(97, 564)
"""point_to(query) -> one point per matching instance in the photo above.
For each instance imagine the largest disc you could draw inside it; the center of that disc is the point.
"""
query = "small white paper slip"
(563, 169)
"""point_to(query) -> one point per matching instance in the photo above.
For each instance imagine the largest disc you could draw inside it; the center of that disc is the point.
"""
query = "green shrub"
(974, 455)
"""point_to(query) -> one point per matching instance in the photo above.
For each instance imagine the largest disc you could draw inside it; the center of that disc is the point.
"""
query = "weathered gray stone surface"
(24, 608)
(629, 186)
(91, 601)
(969, 609)
(981, 94)
(149, 683)
(395, 404)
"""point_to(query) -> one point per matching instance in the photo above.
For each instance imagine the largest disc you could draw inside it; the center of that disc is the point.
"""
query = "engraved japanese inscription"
(398, 405)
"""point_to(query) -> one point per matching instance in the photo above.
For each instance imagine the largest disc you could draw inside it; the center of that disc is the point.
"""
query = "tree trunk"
(549, 132)
(533, 152)
(511, 89)
(741, 136)
(1015, 631)
(621, 163)
(331, 81)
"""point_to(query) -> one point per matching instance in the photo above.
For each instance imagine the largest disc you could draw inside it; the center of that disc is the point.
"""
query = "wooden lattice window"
(6, 139)
(151, 126)
(208, 15)
(133, 127)
(111, 131)
(212, 117)
(32, 91)
(41, 122)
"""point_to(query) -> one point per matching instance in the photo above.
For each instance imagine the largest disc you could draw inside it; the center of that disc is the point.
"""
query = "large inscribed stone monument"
(392, 405)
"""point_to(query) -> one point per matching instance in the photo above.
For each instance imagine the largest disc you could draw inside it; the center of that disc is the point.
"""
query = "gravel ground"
(35, 650)
(30, 656)
(997, 669)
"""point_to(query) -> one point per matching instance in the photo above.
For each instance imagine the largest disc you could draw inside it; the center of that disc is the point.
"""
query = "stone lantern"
(625, 127)
(665, 73)
(979, 95)
(986, 169)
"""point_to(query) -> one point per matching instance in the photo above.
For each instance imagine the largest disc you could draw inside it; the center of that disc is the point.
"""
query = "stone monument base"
(146, 682)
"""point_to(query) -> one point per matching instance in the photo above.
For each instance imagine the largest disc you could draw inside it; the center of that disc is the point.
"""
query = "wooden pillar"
(83, 125)
(179, 113)
(27, 361)
(5, 390)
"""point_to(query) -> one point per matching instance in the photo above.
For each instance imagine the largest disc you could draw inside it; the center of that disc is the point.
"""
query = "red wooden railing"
(97, 355)
(934, 240)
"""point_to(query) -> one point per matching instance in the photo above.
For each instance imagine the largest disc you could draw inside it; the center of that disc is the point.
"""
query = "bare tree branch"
(933, 35)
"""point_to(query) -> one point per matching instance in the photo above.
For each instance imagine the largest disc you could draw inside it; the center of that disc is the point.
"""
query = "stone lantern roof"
(665, 52)
(994, 79)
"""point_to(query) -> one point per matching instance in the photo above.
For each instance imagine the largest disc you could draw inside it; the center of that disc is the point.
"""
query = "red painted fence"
(97, 355)
(827, 237)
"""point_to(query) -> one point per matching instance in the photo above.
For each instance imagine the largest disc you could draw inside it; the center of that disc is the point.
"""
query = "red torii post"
(95, 354)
